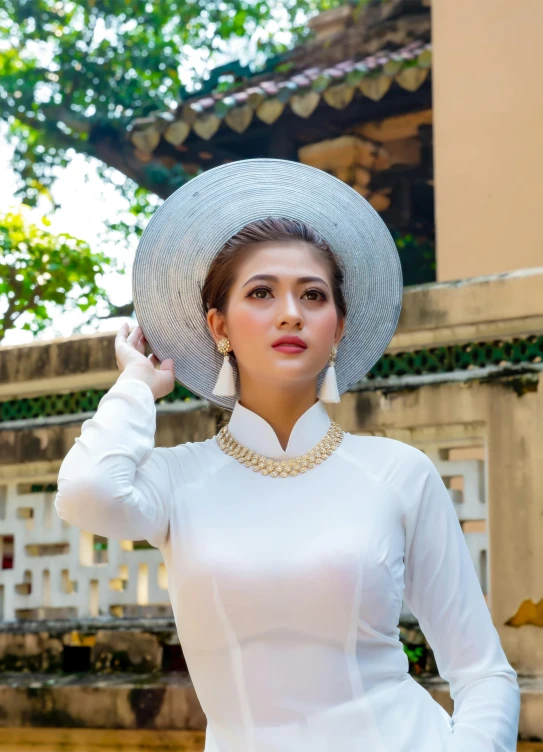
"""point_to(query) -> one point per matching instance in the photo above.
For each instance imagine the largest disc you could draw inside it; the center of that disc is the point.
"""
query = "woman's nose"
(289, 312)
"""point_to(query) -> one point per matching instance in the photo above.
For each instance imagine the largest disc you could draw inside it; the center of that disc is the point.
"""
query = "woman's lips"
(289, 348)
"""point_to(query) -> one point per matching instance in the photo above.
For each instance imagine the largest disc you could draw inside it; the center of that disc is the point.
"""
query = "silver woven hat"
(191, 226)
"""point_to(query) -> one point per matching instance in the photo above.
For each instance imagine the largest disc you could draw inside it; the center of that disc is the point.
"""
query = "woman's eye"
(261, 292)
(319, 295)
(259, 289)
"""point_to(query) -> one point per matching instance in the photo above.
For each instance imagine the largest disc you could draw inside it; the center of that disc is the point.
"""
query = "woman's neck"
(280, 407)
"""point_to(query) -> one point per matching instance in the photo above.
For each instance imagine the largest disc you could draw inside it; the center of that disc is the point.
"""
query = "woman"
(289, 543)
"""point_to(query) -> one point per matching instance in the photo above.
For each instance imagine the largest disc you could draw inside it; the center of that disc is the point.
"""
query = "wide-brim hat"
(191, 226)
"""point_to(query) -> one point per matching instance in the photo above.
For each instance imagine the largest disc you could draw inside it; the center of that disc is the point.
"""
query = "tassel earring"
(225, 386)
(329, 391)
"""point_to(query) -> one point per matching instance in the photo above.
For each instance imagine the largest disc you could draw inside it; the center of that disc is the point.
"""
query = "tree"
(73, 74)
(38, 269)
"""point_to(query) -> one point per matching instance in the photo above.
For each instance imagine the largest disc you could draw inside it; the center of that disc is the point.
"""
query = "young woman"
(269, 287)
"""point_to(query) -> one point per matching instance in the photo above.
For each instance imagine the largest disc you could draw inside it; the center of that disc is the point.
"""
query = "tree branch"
(124, 310)
(6, 321)
(49, 129)
(116, 151)
(58, 112)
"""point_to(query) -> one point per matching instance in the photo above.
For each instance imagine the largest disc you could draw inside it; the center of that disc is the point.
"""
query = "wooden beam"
(395, 128)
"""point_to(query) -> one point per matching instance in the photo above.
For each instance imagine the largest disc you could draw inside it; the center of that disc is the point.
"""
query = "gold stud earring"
(223, 346)
(225, 384)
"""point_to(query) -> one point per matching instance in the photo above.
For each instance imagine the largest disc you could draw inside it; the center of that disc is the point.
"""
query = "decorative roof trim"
(302, 92)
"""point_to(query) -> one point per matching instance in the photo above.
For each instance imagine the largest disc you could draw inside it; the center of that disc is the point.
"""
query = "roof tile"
(387, 64)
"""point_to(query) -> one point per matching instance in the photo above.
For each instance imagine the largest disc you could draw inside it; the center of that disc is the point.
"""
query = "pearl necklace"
(281, 468)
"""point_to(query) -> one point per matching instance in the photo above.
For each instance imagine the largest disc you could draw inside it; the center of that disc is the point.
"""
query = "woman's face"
(281, 289)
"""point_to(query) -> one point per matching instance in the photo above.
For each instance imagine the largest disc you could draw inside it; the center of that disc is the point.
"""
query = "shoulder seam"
(385, 482)
(215, 467)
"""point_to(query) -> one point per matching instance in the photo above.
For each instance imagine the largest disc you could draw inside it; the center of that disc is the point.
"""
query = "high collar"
(254, 432)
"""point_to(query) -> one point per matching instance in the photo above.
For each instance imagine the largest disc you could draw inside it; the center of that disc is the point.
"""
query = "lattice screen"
(463, 470)
(50, 569)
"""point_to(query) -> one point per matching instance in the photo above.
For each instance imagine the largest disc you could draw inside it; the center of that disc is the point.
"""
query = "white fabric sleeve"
(443, 591)
(113, 482)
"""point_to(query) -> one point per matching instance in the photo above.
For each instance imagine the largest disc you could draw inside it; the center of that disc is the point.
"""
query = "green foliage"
(415, 656)
(74, 73)
(418, 258)
(141, 205)
(39, 270)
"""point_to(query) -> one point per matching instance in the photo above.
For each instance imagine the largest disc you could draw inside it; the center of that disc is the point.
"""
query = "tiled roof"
(266, 98)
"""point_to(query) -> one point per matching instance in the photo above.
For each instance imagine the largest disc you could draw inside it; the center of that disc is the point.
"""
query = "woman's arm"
(113, 482)
(443, 591)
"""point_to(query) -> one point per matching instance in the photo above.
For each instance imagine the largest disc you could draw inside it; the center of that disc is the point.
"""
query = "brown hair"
(222, 269)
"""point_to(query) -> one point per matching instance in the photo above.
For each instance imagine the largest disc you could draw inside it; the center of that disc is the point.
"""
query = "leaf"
(43, 268)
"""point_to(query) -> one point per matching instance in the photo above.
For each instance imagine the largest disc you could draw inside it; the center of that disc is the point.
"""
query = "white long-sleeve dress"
(287, 591)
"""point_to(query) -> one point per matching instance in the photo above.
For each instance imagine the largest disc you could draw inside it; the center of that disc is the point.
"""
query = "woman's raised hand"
(132, 362)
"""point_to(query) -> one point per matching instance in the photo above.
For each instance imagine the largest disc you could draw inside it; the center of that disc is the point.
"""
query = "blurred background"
(430, 110)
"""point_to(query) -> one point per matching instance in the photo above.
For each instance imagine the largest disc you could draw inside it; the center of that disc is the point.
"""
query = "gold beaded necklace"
(281, 468)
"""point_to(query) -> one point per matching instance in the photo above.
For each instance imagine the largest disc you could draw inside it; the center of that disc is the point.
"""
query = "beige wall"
(488, 135)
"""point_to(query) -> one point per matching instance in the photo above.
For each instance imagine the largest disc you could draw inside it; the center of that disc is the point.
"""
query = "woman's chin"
(286, 378)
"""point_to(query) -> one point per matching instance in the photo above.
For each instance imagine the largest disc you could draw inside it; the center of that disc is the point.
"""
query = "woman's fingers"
(135, 339)
(134, 336)
(166, 377)
(122, 332)
(165, 365)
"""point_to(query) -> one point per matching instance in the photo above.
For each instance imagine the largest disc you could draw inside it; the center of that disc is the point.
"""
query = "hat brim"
(191, 226)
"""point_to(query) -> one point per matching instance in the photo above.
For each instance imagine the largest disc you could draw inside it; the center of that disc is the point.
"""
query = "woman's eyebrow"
(273, 278)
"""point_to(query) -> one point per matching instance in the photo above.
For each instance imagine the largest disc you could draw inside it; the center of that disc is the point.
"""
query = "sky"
(86, 203)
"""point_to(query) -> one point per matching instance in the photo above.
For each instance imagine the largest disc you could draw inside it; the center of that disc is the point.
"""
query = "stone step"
(163, 702)
(116, 700)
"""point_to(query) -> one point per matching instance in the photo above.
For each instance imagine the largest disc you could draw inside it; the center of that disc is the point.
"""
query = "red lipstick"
(289, 344)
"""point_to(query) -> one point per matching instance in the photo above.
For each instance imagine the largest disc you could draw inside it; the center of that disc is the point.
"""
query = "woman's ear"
(340, 330)
(216, 323)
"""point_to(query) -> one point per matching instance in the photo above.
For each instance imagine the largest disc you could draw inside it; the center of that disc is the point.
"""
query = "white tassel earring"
(225, 386)
(329, 391)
